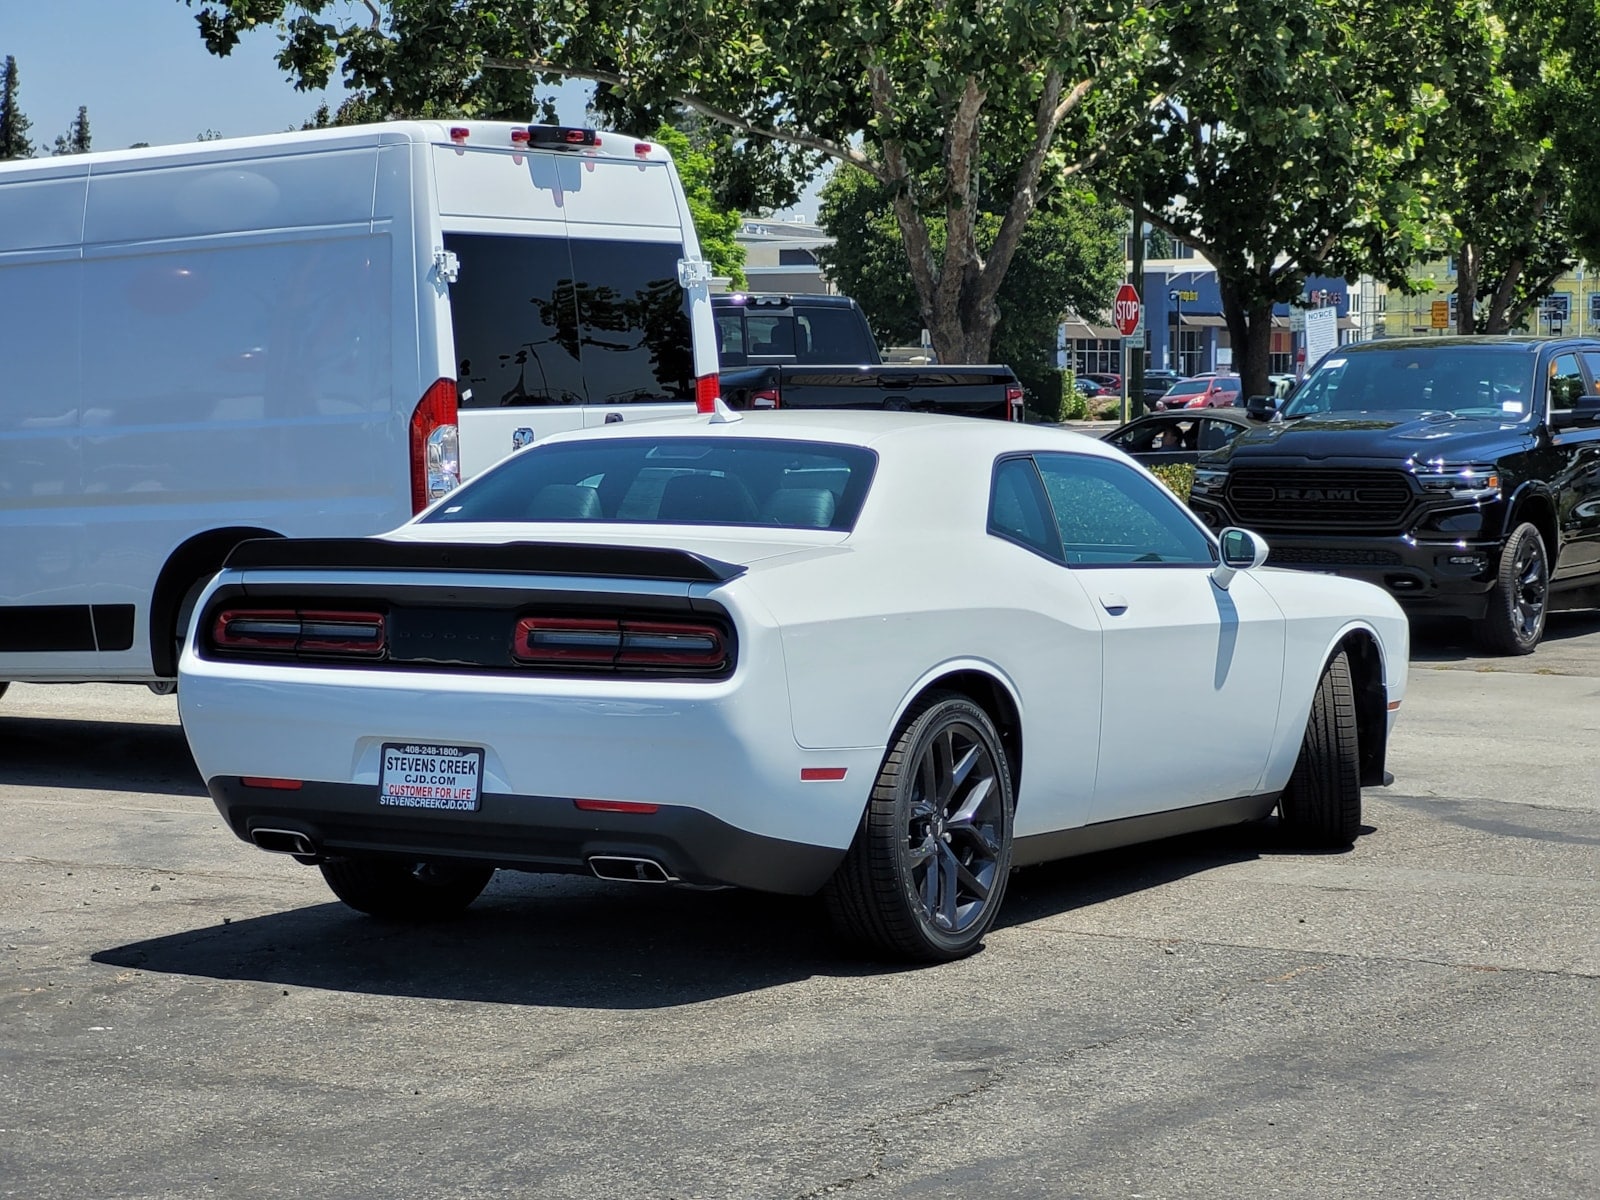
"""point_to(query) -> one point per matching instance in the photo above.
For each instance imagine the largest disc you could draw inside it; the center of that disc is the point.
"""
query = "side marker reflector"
(615, 806)
(822, 774)
(278, 785)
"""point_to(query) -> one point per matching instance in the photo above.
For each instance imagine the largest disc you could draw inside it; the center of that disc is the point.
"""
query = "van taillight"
(706, 390)
(1014, 402)
(435, 445)
(299, 631)
(607, 642)
(766, 398)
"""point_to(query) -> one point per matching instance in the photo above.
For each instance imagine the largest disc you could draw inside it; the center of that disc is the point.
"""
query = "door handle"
(1114, 603)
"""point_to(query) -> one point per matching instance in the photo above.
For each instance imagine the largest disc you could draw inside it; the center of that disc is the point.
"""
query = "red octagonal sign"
(1125, 312)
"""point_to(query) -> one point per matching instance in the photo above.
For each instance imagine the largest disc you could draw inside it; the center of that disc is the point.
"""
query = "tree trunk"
(1468, 265)
(1250, 331)
(1497, 319)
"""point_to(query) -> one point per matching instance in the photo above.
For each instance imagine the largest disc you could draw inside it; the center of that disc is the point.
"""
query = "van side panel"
(238, 377)
(41, 216)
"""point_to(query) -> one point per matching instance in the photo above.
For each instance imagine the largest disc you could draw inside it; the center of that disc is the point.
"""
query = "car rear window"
(762, 482)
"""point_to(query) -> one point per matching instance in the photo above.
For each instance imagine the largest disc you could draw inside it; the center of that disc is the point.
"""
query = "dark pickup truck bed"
(818, 352)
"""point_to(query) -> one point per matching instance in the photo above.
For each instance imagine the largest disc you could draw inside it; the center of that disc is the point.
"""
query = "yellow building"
(1571, 308)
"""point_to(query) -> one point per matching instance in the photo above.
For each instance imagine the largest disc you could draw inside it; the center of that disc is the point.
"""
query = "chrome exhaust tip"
(284, 841)
(622, 868)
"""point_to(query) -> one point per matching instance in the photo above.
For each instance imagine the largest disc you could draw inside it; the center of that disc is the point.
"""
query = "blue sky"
(141, 69)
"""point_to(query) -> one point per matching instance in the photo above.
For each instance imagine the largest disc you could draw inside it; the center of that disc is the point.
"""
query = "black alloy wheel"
(1514, 622)
(927, 871)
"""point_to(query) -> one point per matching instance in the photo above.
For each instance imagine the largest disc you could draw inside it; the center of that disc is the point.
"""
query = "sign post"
(1127, 313)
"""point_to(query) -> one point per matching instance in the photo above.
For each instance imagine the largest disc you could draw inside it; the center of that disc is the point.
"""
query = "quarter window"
(1110, 514)
(1018, 510)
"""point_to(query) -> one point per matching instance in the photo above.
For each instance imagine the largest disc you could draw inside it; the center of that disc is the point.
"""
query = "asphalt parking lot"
(184, 1016)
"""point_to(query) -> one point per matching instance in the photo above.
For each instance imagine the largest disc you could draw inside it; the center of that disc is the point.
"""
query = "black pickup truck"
(818, 352)
(1460, 474)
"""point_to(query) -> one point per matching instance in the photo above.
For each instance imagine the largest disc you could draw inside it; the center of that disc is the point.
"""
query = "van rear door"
(566, 308)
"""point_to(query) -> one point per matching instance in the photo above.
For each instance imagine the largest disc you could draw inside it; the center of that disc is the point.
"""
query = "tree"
(715, 226)
(1070, 259)
(14, 124)
(76, 138)
(1291, 145)
(1499, 184)
(907, 92)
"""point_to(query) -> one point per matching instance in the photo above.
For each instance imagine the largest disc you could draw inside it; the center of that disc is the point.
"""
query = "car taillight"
(1013, 402)
(765, 398)
(435, 445)
(624, 642)
(706, 390)
(298, 631)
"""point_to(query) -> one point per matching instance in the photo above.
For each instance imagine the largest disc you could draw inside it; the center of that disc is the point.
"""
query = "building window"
(1095, 356)
(1383, 302)
(1557, 309)
(1355, 302)
(1594, 309)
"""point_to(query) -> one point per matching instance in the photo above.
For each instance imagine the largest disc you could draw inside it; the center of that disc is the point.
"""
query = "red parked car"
(1202, 391)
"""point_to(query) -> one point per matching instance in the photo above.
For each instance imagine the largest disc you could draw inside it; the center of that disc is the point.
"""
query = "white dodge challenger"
(884, 656)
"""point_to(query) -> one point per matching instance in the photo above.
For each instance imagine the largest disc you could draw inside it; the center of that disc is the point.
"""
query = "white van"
(280, 336)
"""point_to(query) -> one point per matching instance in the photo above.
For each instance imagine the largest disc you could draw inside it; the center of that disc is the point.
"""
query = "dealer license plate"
(421, 775)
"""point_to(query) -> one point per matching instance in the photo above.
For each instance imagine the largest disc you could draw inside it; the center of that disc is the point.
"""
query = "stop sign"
(1125, 311)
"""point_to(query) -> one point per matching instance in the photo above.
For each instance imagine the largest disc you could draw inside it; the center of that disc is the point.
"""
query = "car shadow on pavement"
(1440, 640)
(1050, 889)
(573, 942)
(106, 756)
(545, 941)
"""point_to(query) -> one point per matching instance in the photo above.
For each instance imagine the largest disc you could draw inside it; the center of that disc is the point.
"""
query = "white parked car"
(884, 656)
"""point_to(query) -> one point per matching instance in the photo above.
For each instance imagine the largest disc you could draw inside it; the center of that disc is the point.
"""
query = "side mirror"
(1242, 550)
(1261, 408)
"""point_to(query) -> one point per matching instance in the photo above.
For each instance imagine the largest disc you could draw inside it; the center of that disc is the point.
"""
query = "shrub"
(1177, 476)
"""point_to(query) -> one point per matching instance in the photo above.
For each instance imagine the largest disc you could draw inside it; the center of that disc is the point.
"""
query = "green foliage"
(1070, 258)
(1071, 404)
(76, 138)
(1177, 476)
(1291, 143)
(717, 228)
(14, 123)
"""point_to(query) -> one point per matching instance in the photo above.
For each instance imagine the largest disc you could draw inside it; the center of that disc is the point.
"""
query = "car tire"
(1520, 599)
(3, 686)
(927, 870)
(1321, 807)
(397, 890)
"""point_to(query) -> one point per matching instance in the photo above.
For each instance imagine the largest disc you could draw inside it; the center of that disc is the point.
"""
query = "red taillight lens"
(706, 390)
(435, 445)
(1014, 402)
(519, 135)
(766, 398)
(292, 631)
(582, 641)
(277, 785)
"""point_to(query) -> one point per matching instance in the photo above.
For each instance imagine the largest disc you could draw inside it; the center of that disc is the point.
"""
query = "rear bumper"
(527, 833)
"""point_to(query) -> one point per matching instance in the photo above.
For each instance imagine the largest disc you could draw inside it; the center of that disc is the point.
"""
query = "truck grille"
(1317, 498)
(1328, 556)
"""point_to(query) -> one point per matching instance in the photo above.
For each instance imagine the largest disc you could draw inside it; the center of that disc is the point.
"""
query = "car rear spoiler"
(517, 558)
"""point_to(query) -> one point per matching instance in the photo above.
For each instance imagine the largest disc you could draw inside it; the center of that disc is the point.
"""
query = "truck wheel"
(927, 871)
(1321, 807)
(405, 891)
(1520, 599)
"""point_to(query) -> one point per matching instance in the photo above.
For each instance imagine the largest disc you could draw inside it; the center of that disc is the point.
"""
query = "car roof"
(1518, 341)
(779, 300)
(875, 430)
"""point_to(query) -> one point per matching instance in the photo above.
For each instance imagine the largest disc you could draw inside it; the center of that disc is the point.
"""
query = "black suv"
(1461, 474)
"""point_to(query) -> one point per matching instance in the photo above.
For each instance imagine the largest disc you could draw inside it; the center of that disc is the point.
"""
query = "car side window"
(1591, 359)
(1566, 382)
(1018, 510)
(1214, 435)
(1111, 515)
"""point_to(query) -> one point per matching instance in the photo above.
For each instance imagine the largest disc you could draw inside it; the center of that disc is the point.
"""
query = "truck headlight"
(1470, 481)
(1208, 480)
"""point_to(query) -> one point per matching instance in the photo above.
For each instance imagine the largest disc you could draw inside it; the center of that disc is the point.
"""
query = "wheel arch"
(989, 690)
(1365, 656)
(1536, 507)
(193, 561)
